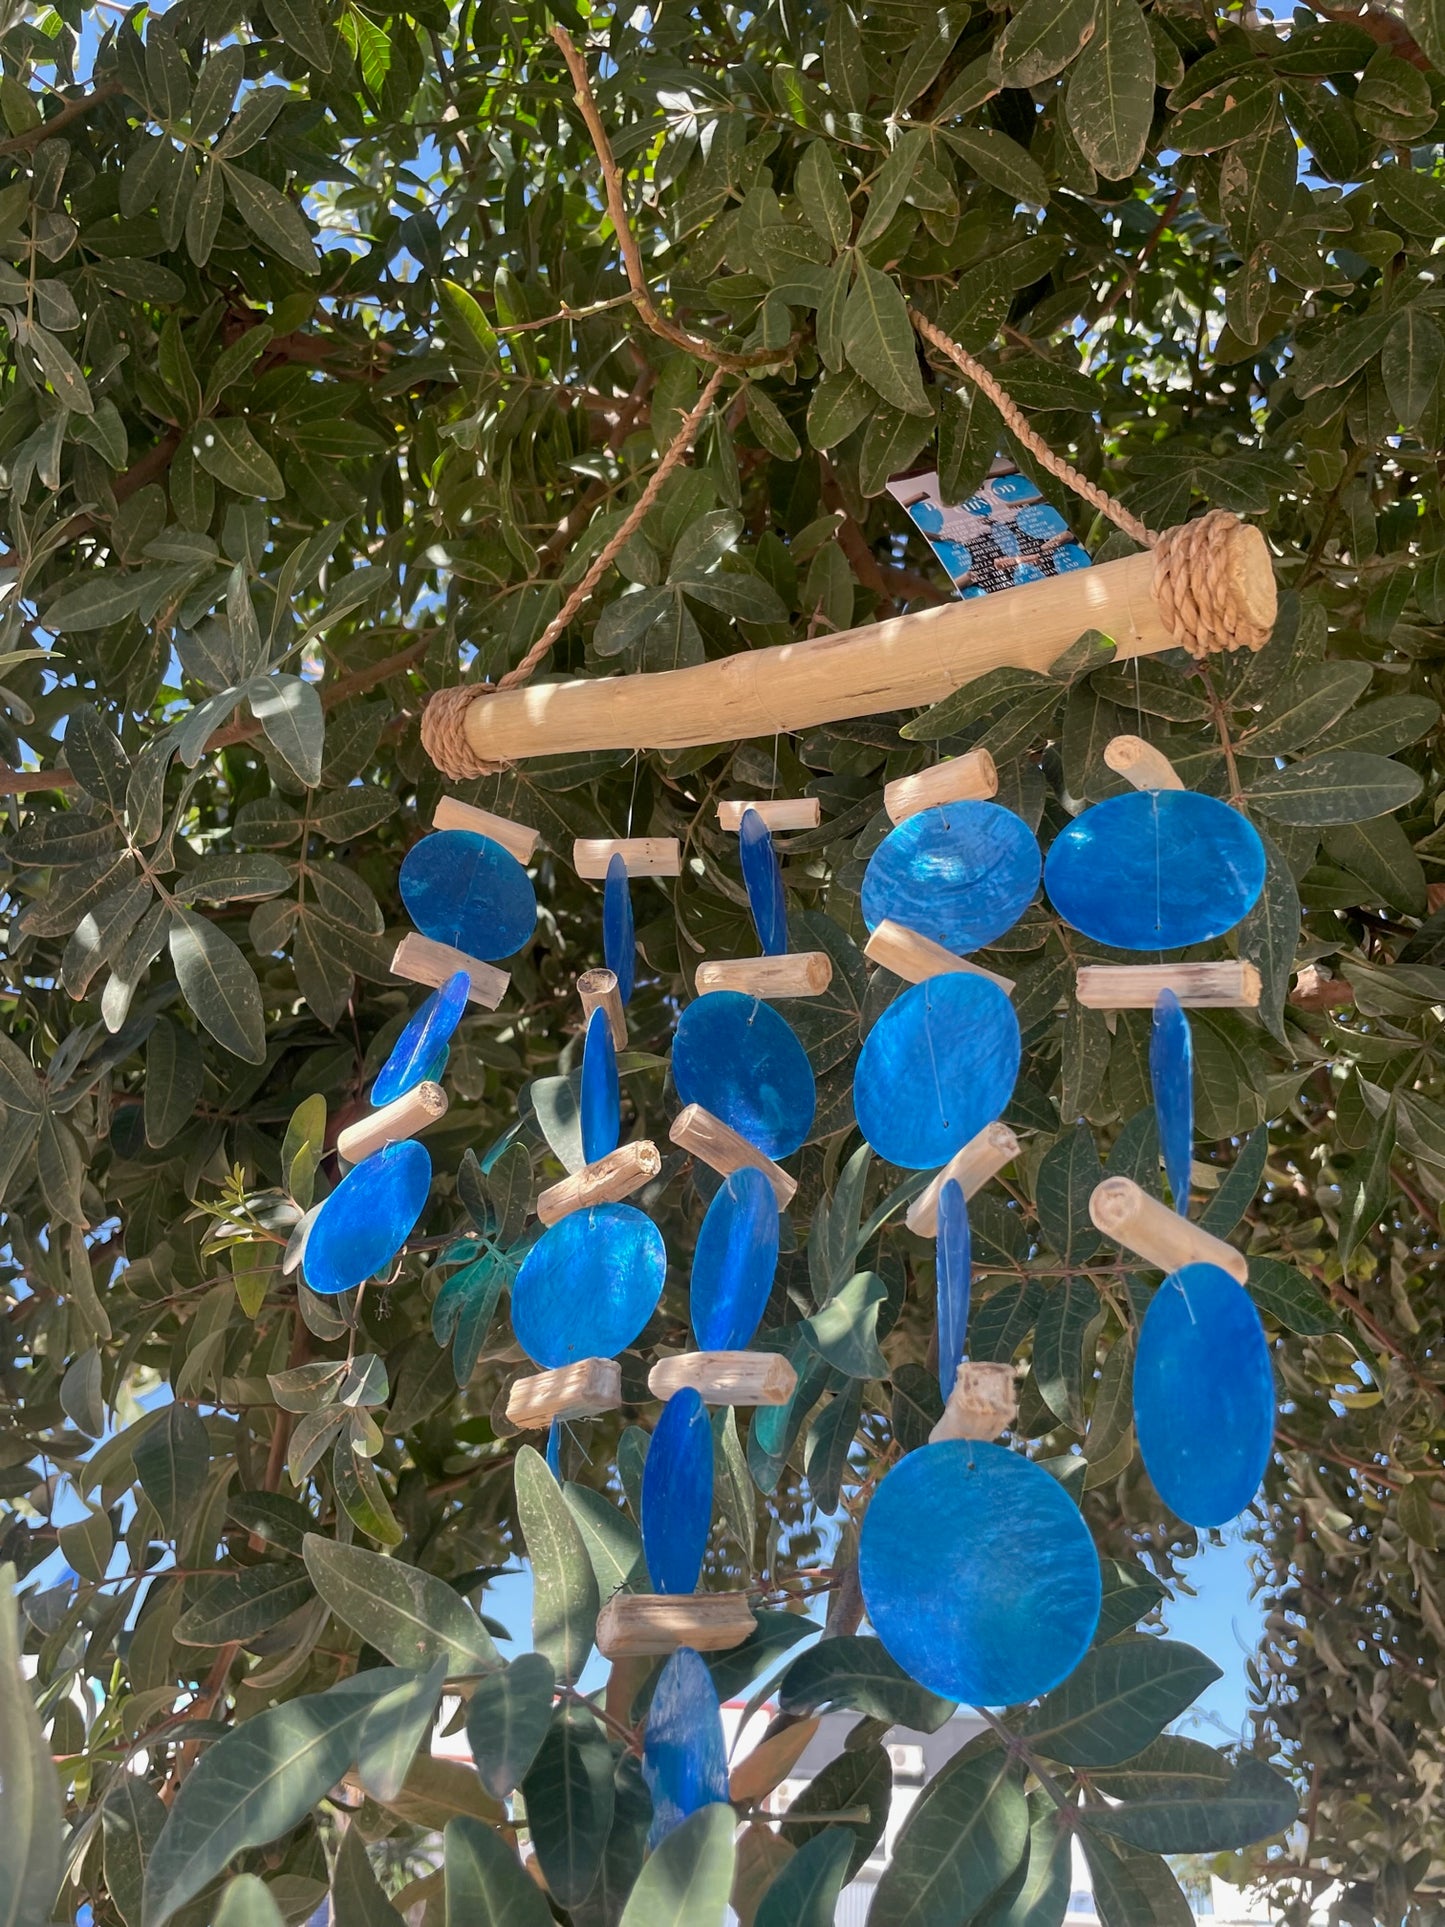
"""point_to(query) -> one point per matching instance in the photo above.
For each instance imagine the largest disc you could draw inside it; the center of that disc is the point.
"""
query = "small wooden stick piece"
(726, 1378)
(655, 1623)
(983, 1403)
(422, 961)
(724, 1150)
(1128, 1215)
(519, 838)
(982, 1158)
(801, 973)
(598, 991)
(1141, 764)
(589, 1386)
(971, 777)
(645, 856)
(1232, 984)
(785, 813)
(912, 956)
(609, 1180)
(423, 1104)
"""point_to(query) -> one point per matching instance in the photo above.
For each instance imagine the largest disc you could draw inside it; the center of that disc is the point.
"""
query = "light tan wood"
(721, 1148)
(982, 1158)
(971, 777)
(521, 840)
(422, 961)
(634, 1623)
(645, 856)
(608, 1181)
(801, 973)
(726, 1378)
(900, 664)
(598, 991)
(783, 813)
(914, 957)
(1128, 1215)
(402, 1118)
(984, 1402)
(570, 1391)
(1141, 764)
(1229, 985)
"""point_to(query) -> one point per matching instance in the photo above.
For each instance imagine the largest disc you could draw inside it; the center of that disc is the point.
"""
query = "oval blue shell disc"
(684, 1754)
(978, 1573)
(1171, 1075)
(677, 1494)
(764, 881)
(939, 1064)
(463, 889)
(1155, 870)
(619, 936)
(734, 1263)
(421, 1050)
(739, 1059)
(953, 1265)
(1203, 1395)
(601, 1101)
(368, 1217)
(588, 1285)
(962, 874)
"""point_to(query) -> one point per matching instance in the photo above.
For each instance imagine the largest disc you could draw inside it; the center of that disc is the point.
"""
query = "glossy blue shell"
(677, 1494)
(684, 1754)
(938, 1065)
(619, 937)
(734, 1263)
(601, 1100)
(978, 1573)
(962, 874)
(368, 1218)
(588, 1285)
(421, 1050)
(1171, 1074)
(463, 889)
(953, 1266)
(739, 1059)
(764, 881)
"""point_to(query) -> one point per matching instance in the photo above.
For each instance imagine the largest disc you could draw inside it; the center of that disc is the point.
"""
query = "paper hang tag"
(1003, 535)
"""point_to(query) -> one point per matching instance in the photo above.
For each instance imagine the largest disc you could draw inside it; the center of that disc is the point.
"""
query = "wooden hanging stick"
(726, 1378)
(413, 1111)
(786, 813)
(801, 973)
(598, 991)
(421, 960)
(1231, 984)
(971, 777)
(590, 1386)
(645, 856)
(982, 1158)
(725, 1150)
(659, 1622)
(914, 957)
(608, 1181)
(449, 814)
(1141, 764)
(1128, 1215)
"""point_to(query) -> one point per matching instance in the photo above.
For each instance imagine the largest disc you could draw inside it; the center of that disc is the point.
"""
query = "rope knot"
(1214, 584)
(444, 733)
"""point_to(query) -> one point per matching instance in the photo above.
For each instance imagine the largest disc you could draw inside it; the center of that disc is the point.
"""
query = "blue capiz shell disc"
(588, 1285)
(734, 1263)
(684, 1754)
(764, 881)
(978, 1573)
(940, 1063)
(368, 1218)
(962, 874)
(463, 889)
(619, 935)
(421, 1050)
(1203, 1395)
(739, 1059)
(677, 1494)
(1155, 870)
(1171, 1078)
(601, 1099)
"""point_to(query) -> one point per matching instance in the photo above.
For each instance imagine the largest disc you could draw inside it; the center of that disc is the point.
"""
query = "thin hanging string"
(632, 799)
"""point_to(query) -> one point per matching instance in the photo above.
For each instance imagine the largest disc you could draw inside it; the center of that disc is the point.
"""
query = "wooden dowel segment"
(423, 1104)
(645, 856)
(598, 991)
(983, 1403)
(982, 1158)
(971, 777)
(647, 1623)
(801, 973)
(422, 961)
(608, 1181)
(1231, 984)
(914, 957)
(783, 813)
(519, 838)
(590, 1386)
(1141, 764)
(722, 1149)
(726, 1378)
(1128, 1215)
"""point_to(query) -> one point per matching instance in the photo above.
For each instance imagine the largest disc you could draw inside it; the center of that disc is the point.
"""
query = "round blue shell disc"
(1155, 870)
(978, 1573)
(1203, 1395)
(677, 1494)
(368, 1218)
(939, 1064)
(739, 1059)
(962, 874)
(421, 1050)
(463, 889)
(734, 1263)
(588, 1285)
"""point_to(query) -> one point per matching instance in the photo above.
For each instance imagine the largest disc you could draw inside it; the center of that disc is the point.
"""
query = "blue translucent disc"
(601, 1103)
(961, 874)
(421, 1050)
(588, 1285)
(739, 1059)
(554, 1449)
(1203, 1395)
(953, 1262)
(619, 938)
(764, 882)
(1171, 1072)
(1155, 870)
(939, 1064)
(463, 889)
(677, 1494)
(368, 1217)
(733, 1265)
(684, 1755)
(978, 1573)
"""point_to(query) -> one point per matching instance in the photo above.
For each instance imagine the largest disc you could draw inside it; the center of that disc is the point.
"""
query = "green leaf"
(171, 1462)
(1304, 705)
(771, 428)
(687, 1881)
(569, 1794)
(397, 1727)
(805, 1893)
(276, 222)
(1068, 1173)
(469, 323)
(219, 985)
(1001, 162)
(1069, 1309)
(357, 1899)
(856, 1672)
(31, 1838)
(486, 1882)
(410, 1616)
(1285, 1294)
(1134, 1889)
(1038, 1894)
(288, 708)
(95, 603)
(964, 1836)
(132, 1815)
(1365, 1188)
(822, 195)
(229, 451)
(1269, 936)
(613, 1543)
(878, 340)
(1380, 854)
(860, 1778)
(1335, 786)
(507, 1718)
(1255, 1804)
(1233, 111)
(1234, 1197)
(1118, 1699)
(175, 1074)
(845, 1330)
(564, 1596)
(238, 1605)
(247, 1902)
(1040, 40)
(1410, 363)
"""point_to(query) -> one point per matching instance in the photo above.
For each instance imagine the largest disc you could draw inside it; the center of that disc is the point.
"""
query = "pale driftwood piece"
(914, 957)
(984, 1402)
(1128, 1215)
(590, 1386)
(608, 1181)
(982, 1158)
(635, 1624)
(723, 1150)
(900, 664)
(423, 1104)
(1230, 985)
(783, 813)
(801, 973)
(969, 778)
(645, 856)
(598, 991)
(519, 838)
(1141, 764)
(422, 961)
(726, 1378)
